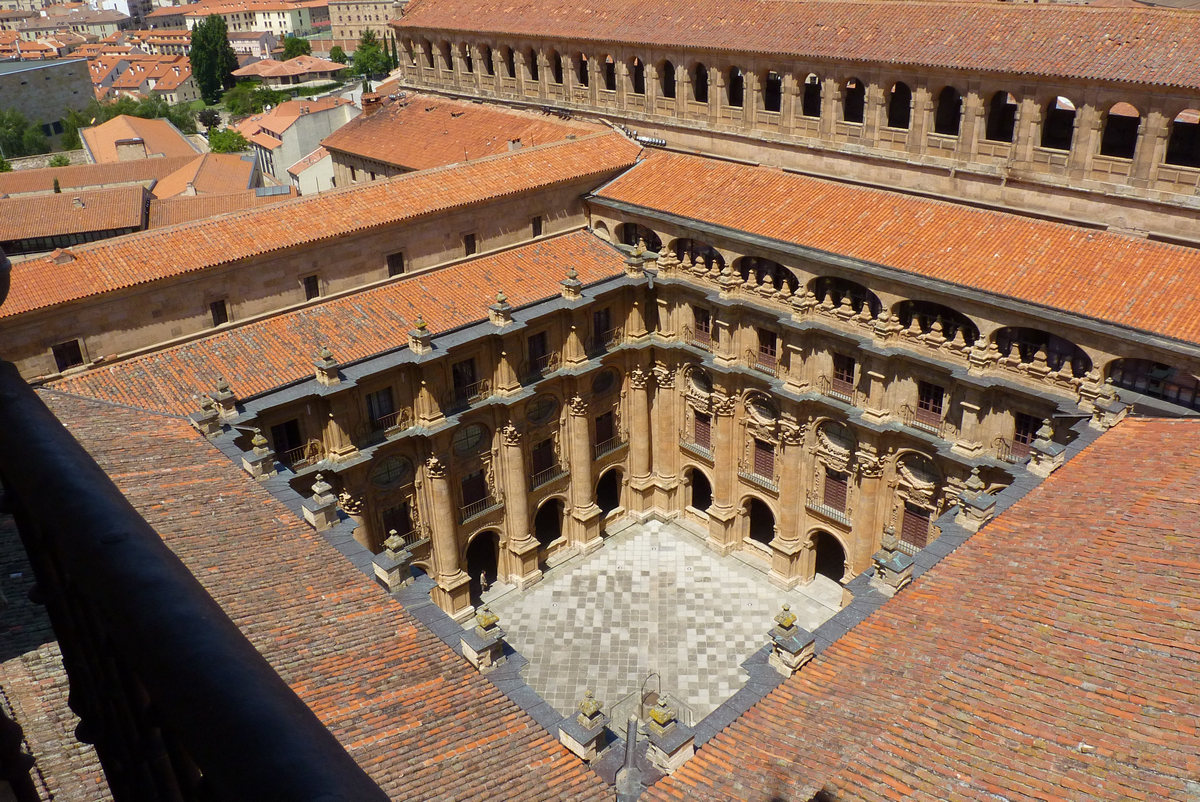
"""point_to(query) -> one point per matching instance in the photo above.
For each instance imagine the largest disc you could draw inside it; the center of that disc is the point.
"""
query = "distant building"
(125, 138)
(349, 18)
(299, 71)
(85, 23)
(44, 92)
(259, 44)
(291, 130)
(313, 173)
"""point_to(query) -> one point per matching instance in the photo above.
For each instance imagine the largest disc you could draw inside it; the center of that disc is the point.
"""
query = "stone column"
(788, 545)
(640, 483)
(970, 441)
(664, 439)
(871, 507)
(972, 127)
(1151, 147)
(722, 516)
(585, 515)
(519, 561)
(453, 590)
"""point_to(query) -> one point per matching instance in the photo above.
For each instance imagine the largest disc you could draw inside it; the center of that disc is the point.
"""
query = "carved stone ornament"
(791, 433)
(917, 472)
(435, 468)
(509, 435)
(577, 405)
(868, 462)
(723, 404)
(638, 378)
(663, 376)
(351, 504)
(836, 440)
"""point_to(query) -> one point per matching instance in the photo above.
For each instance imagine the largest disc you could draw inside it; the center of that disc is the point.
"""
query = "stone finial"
(208, 419)
(420, 339)
(500, 313)
(671, 742)
(394, 543)
(483, 645)
(785, 618)
(322, 510)
(975, 485)
(590, 709)
(1109, 391)
(668, 263)
(393, 565)
(259, 442)
(975, 507)
(889, 542)
(327, 367)
(1045, 432)
(260, 462)
(791, 645)
(485, 620)
(662, 716)
(640, 248)
(572, 287)
(584, 733)
(225, 399)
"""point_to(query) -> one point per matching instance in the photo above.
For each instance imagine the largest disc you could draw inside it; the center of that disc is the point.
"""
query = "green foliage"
(295, 46)
(337, 54)
(5, 167)
(209, 118)
(227, 140)
(18, 137)
(59, 160)
(309, 91)
(95, 113)
(212, 57)
(57, 187)
(395, 55)
(250, 98)
(370, 57)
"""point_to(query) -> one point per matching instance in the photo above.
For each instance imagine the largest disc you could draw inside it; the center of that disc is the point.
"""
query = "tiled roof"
(159, 135)
(72, 212)
(280, 118)
(420, 131)
(1053, 656)
(138, 258)
(1107, 44)
(300, 65)
(1130, 281)
(212, 172)
(184, 208)
(20, 182)
(418, 719)
(308, 161)
(261, 356)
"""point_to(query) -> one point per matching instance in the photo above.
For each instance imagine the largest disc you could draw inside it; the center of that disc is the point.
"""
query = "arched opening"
(760, 520)
(772, 93)
(510, 62)
(531, 64)
(556, 67)
(735, 87)
(838, 289)
(666, 78)
(1026, 343)
(699, 490)
(1183, 145)
(810, 102)
(899, 110)
(700, 83)
(1156, 380)
(608, 491)
(855, 103)
(948, 117)
(447, 58)
(581, 70)
(926, 314)
(601, 230)
(1119, 139)
(1058, 124)
(483, 556)
(766, 272)
(1001, 117)
(547, 524)
(829, 556)
(427, 52)
(468, 61)
(692, 252)
(637, 76)
(630, 233)
(410, 52)
(489, 60)
(610, 74)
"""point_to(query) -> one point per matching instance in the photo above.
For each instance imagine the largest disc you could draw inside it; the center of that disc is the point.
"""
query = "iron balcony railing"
(701, 338)
(465, 395)
(545, 477)
(477, 508)
(1010, 451)
(301, 457)
(607, 447)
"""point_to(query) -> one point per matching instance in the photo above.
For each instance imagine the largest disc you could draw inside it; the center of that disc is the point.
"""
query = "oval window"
(468, 438)
(541, 409)
(700, 381)
(604, 381)
(390, 471)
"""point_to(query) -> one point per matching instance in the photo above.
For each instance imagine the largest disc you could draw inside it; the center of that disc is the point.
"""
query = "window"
(854, 103)
(929, 402)
(700, 83)
(286, 437)
(764, 458)
(535, 226)
(469, 246)
(836, 486)
(543, 456)
(702, 429)
(601, 325)
(605, 428)
(474, 488)
(468, 438)
(397, 519)
(219, 311)
(463, 377)
(772, 91)
(915, 527)
(703, 333)
(810, 103)
(899, 110)
(395, 263)
(768, 349)
(1024, 433)
(539, 352)
(312, 288)
(735, 87)
(843, 373)
(381, 408)
(541, 409)
(67, 355)
(605, 380)
(353, 174)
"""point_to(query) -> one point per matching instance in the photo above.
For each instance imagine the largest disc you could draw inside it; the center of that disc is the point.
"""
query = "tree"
(337, 54)
(59, 160)
(213, 59)
(227, 140)
(370, 58)
(295, 46)
(19, 138)
(209, 118)
(5, 167)
(395, 56)
(250, 98)
(57, 187)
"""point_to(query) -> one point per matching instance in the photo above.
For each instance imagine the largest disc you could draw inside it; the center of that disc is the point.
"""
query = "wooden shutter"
(915, 528)
(703, 430)
(835, 490)
(764, 459)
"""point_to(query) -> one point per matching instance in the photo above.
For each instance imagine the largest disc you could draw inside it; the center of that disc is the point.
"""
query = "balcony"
(816, 505)
(700, 450)
(926, 420)
(1010, 451)
(467, 394)
(700, 338)
(546, 476)
(763, 360)
(765, 482)
(605, 340)
(836, 387)
(411, 539)
(477, 508)
(606, 447)
(297, 459)
(538, 367)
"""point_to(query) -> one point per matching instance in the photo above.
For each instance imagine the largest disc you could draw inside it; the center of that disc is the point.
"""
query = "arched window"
(666, 77)
(1058, 124)
(1026, 343)
(510, 62)
(630, 233)
(700, 497)
(1183, 145)
(899, 111)
(581, 70)
(855, 103)
(556, 67)
(1156, 380)
(926, 313)
(531, 64)
(410, 50)
(467, 60)
(948, 116)
(735, 88)
(772, 93)
(637, 76)
(427, 52)
(760, 521)
(489, 60)
(610, 74)
(1001, 117)
(447, 58)
(1120, 131)
(766, 271)
(810, 102)
(700, 83)
(837, 289)
(695, 251)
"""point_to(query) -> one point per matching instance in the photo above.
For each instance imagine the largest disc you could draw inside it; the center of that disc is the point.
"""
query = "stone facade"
(350, 19)
(44, 92)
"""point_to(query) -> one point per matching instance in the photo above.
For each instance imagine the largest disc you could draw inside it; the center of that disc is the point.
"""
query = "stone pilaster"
(722, 516)
(640, 482)
(787, 547)
(585, 515)
(520, 559)
(452, 592)
(663, 440)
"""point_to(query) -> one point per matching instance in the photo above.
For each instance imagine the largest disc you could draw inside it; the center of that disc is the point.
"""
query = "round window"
(390, 471)
(468, 438)
(604, 381)
(762, 409)
(700, 381)
(541, 409)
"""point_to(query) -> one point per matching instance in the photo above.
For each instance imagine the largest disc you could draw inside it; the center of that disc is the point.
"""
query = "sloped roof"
(72, 212)
(160, 136)
(300, 65)
(210, 173)
(41, 179)
(185, 208)
(1138, 45)
(308, 161)
(1130, 281)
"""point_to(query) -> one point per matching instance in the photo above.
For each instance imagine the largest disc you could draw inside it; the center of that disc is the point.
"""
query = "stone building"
(45, 92)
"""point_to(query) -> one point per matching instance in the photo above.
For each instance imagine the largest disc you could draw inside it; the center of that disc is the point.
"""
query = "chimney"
(191, 189)
(371, 103)
(130, 149)
(514, 144)
(77, 202)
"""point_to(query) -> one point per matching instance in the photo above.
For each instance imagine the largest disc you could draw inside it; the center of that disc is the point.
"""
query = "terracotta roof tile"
(1127, 280)
(384, 685)
(1108, 44)
(159, 135)
(300, 65)
(184, 208)
(72, 212)
(308, 161)
(280, 118)
(19, 182)
(261, 356)
(137, 258)
(420, 131)
(1067, 621)
(212, 172)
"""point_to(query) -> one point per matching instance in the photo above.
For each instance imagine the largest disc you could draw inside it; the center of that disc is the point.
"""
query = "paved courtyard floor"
(652, 599)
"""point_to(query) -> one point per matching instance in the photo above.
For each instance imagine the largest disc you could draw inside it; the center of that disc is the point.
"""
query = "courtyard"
(653, 609)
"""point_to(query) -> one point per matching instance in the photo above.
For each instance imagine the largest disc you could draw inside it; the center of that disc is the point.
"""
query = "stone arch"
(531, 64)
(735, 87)
(445, 52)
(424, 566)
(1119, 137)
(1058, 124)
(427, 52)
(899, 107)
(693, 251)
(600, 229)
(1025, 344)
(1156, 380)
(608, 490)
(582, 72)
(765, 271)
(854, 100)
(700, 83)
(666, 79)
(699, 488)
(468, 60)
(630, 233)
(947, 116)
(637, 76)
(810, 99)
(1001, 124)
(927, 313)
(830, 554)
(489, 60)
(838, 289)
(1183, 142)
(554, 59)
(510, 61)
(772, 91)
(548, 522)
(482, 559)
(610, 73)
(760, 519)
